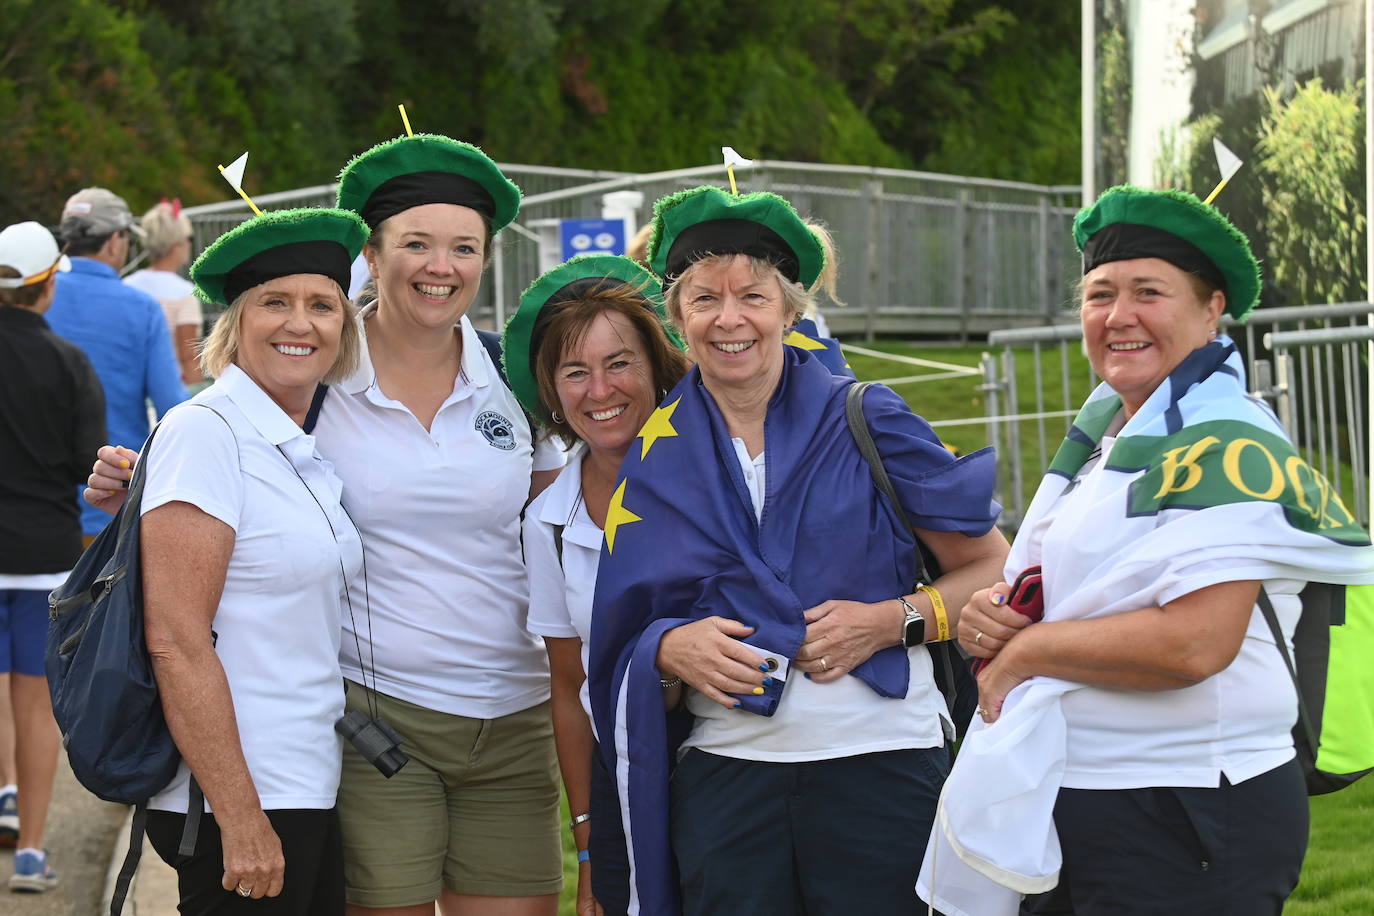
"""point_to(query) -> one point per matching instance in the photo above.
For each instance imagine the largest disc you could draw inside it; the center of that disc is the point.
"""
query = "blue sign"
(591, 236)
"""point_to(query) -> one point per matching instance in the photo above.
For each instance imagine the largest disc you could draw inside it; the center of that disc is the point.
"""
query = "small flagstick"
(234, 175)
(1227, 162)
(733, 159)
(405, 121)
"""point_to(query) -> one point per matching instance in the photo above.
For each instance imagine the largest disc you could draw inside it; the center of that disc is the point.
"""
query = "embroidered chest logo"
(496, 429)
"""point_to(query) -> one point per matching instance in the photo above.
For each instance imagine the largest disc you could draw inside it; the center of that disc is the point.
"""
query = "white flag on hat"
(234, 172)
(1227, 161)
(734, 158)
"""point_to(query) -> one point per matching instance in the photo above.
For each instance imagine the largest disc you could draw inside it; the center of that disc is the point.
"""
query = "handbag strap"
(1304, 717)
(858, 428)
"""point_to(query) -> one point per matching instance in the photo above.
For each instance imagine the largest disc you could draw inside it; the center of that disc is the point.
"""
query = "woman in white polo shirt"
(438, 460)
(247, 555)
(588, 355)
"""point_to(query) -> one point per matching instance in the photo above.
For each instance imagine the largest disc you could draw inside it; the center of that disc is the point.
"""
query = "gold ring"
(978, 638)
(824, 666)
(243, 891)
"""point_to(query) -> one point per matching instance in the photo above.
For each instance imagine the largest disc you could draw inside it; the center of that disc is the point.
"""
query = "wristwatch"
(913, 626)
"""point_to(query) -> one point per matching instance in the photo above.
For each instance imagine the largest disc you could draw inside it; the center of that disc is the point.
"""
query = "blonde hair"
(163, 227)
(830, 274)
(220, 348)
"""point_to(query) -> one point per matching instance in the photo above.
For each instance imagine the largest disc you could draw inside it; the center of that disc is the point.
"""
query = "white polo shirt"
(561, 590)
(277, 627)
(439, 511)
(842, 718)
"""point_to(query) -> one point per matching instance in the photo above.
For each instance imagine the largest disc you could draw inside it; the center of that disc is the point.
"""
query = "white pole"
(1088, 90)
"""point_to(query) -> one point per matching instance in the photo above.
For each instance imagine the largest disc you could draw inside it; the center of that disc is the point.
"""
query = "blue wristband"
(584, 855)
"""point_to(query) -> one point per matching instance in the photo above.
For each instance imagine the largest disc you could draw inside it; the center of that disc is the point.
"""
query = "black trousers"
(1235, 850)
(610, 860)
(310, 842)
(825, 837)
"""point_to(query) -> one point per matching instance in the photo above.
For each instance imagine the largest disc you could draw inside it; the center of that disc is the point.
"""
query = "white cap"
(32, 251)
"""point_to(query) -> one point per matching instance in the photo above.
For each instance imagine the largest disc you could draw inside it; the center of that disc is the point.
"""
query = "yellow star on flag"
(617, 515)
(658, 426)
(798, 339)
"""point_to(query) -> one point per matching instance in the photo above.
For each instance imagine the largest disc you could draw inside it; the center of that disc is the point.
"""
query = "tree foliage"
(147, 96)
(1313, 188)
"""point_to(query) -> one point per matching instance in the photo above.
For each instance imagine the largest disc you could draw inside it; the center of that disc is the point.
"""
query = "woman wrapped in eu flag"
(749, 555)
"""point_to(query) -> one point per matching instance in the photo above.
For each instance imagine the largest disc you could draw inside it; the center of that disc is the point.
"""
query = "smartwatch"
(913, 626)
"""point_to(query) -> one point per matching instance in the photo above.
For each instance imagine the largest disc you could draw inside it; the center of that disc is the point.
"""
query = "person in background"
(588, 356)
(247, 557)
(167, 237)
(1143, 728)
(121, 329)
(52, 412)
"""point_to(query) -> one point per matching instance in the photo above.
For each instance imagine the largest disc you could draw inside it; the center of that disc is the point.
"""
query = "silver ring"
(978, 638)
(824, 665)
(243, 891)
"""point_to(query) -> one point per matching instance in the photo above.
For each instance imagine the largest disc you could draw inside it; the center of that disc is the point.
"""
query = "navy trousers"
(825, 837)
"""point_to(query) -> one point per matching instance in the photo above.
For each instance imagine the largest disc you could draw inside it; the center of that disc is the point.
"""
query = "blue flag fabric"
(806, 336)
(682, 543)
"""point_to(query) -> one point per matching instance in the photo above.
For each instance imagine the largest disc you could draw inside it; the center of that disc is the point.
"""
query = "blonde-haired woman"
(168, 242)
(247, 555)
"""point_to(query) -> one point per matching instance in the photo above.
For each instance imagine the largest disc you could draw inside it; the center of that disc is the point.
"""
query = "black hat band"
(1128, 241)
(415, 189)
(731, 236)
(578, 289)
(328, 259)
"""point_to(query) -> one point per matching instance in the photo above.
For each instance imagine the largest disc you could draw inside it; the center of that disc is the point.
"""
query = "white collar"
(258, 408)
(563, 495)
(473, 366)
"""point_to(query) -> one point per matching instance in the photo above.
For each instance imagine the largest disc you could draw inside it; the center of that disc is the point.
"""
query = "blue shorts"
(23, 630)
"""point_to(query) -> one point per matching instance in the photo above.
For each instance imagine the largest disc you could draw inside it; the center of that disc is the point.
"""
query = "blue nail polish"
(807, 675)
(738, 704)
(763, 667)
(998, 599)
(768, 682)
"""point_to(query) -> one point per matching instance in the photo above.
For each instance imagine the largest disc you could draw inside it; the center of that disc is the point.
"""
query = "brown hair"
(24, 296)
(568, 326)
(374, 241)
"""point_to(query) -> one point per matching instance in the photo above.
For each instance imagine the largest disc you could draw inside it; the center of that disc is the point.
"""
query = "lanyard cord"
(370, 692)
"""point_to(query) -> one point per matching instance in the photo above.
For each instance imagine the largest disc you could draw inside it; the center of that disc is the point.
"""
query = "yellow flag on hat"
(233, 173)
(733, 159)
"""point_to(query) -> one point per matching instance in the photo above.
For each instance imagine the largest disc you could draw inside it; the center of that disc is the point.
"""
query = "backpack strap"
(942, 652)
(1304, 717)
(491, 341)
(131, 858)
(312, 416)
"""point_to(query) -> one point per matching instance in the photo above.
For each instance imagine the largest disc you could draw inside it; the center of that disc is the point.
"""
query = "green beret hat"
(692, 224)
(426, 169)
(568, 282)
(310, 240)
(1128, 222)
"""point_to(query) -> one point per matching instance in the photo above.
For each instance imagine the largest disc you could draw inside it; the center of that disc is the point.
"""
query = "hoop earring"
(557, 417)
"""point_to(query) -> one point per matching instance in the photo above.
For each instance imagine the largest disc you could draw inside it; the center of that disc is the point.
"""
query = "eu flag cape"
(682, 543)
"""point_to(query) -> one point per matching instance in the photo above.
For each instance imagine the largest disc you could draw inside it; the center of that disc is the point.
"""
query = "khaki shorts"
(476, 810)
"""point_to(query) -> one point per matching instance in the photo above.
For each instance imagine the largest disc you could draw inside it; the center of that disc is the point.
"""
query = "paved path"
(81, 833)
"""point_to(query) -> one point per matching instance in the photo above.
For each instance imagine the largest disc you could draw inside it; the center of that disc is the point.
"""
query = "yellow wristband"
(937, 604)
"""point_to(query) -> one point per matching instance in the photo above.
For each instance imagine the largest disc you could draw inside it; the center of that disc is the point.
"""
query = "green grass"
(1338, 874)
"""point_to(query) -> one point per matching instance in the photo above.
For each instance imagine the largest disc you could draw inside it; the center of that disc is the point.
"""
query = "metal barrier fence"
(1307, 361)
(919, 253)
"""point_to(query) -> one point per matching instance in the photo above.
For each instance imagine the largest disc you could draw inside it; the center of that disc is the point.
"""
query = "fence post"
(868, 285)
(992, 398)
(1043, 267)
(962, 241)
